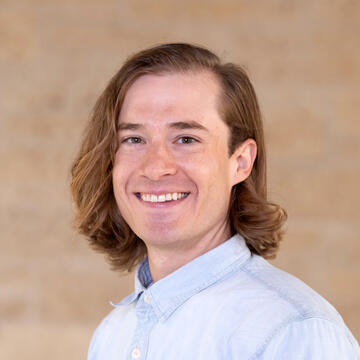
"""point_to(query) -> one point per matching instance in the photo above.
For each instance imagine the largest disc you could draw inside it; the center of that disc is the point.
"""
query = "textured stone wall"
(55, 59)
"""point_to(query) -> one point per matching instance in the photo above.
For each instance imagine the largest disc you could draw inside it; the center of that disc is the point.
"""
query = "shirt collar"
(170, 292)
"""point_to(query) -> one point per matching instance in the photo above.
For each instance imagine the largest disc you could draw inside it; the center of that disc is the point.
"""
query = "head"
(111, 172)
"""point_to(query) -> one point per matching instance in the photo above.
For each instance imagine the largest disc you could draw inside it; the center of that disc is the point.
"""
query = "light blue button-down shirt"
(225, 304)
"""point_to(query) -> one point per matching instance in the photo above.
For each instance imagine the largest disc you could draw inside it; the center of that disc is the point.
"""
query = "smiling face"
(172, 175)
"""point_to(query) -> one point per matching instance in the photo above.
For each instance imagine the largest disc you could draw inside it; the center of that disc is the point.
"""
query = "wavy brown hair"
(97, 215)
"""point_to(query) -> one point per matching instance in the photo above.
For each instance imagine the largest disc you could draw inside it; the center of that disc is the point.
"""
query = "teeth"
(163, 197)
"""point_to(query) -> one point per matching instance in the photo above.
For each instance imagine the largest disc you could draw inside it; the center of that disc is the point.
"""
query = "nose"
(158, 162)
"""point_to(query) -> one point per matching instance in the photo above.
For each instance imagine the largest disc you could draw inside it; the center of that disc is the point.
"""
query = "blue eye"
(132, 140)
(187, 140)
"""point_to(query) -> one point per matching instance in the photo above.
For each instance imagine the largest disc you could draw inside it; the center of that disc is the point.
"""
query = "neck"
(165, 260)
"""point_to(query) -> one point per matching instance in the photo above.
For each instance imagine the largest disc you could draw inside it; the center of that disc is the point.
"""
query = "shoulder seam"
(288, 322)
(296, 305)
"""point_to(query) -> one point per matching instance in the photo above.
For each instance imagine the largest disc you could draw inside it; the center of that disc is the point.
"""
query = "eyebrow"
(180, 125)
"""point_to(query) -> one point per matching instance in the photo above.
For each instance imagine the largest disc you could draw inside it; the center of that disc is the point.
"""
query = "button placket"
(146, 320)
(135, 354)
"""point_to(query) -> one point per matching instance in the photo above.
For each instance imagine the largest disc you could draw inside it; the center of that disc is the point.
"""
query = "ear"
(243, 160)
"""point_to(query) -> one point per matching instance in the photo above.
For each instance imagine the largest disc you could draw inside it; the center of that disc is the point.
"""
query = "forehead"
(169, 96)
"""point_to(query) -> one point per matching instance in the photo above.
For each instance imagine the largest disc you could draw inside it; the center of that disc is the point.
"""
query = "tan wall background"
(55, 59)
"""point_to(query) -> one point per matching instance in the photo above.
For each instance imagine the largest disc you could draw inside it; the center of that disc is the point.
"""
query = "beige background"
(55, 59)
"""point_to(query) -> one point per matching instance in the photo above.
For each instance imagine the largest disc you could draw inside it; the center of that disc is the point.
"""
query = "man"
(171, 178)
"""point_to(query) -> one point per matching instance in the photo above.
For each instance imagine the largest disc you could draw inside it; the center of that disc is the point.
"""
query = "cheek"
(119, 176)
(209, 171)
(196, 166)
(116, 186)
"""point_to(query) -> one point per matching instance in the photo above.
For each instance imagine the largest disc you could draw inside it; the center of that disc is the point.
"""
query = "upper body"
(225, 304)
(171, 167)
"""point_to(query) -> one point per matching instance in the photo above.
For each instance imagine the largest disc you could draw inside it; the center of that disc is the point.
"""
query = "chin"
(160, 236)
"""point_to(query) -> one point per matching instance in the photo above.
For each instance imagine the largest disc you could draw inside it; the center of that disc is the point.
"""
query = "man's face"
(177, 144)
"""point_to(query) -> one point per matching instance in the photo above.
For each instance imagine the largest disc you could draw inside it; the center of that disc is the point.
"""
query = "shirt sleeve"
(312, 339)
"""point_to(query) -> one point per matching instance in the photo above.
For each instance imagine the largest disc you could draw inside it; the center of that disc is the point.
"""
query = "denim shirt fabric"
(225, 304)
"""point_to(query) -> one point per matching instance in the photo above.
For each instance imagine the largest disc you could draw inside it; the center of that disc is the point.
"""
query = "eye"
(187, 140)
(132, 140)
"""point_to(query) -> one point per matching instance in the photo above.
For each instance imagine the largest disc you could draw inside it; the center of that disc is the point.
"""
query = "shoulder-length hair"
(97, 215)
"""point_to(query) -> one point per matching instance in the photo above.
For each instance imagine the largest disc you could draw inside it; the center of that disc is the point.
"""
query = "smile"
(162, 197)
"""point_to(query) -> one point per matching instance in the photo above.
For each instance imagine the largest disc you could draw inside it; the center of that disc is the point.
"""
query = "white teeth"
(163, 197)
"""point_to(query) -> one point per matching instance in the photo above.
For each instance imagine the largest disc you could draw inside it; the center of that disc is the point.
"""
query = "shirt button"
(135, 353)
(146, 299)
